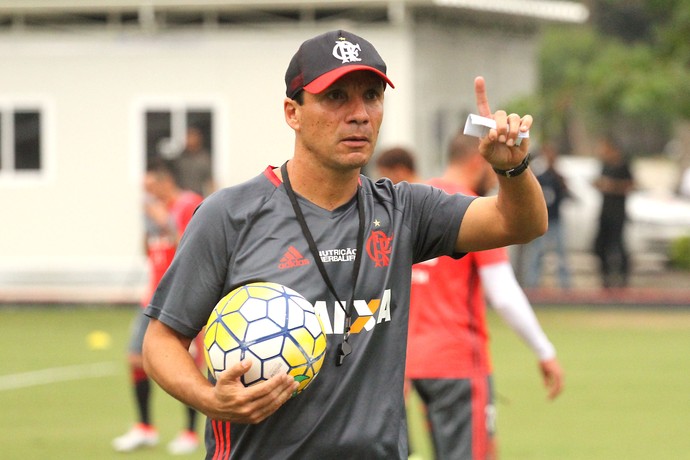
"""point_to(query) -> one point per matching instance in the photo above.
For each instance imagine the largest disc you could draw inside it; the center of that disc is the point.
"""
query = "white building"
(89, 88)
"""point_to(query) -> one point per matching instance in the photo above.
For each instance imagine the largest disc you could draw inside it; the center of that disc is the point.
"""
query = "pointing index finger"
(480, 95)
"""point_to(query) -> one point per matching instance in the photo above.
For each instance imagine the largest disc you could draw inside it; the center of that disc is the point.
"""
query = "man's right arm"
(168, 362)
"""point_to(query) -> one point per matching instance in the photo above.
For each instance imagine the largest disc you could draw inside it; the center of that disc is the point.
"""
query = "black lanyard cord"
(344, 348)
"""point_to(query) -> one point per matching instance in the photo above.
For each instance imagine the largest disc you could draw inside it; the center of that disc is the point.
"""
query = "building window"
(27, 140)
(166, 130)
(20, 140)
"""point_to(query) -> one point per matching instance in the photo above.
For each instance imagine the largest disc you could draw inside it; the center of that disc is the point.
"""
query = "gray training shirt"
(249, 232)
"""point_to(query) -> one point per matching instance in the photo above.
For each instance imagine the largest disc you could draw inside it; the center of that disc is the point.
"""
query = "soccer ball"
(271, 325)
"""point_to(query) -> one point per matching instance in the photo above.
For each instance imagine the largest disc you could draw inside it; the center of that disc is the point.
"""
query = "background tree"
(627, 71)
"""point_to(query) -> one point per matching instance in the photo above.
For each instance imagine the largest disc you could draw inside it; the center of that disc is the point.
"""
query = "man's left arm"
(517, 214)
(509, 300)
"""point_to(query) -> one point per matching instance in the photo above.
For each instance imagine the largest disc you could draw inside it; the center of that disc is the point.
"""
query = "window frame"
(9, 175)
(179, 108)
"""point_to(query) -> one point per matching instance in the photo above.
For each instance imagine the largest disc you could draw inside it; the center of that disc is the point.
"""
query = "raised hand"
(498, 147)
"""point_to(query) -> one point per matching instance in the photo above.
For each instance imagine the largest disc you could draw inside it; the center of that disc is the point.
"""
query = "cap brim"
(322, 82)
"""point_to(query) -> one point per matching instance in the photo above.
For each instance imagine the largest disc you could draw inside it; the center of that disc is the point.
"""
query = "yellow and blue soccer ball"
(271, 325)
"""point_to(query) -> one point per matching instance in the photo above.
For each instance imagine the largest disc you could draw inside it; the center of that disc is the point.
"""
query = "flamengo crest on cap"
(346, 51)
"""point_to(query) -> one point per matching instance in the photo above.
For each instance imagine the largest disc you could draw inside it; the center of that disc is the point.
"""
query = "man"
(448, 352)
(355, 409)
(555, 192)
(614, 183)
(194, 164)
(168, 209)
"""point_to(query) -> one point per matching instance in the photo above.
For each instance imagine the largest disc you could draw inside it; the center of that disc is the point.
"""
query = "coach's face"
(338, 127)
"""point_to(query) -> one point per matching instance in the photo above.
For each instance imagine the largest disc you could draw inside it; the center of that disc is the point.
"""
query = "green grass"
(627, 392)
(627, 387)
(72, 419)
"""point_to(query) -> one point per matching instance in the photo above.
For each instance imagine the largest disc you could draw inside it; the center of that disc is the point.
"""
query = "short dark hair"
(396, 156)
(461, 147)
(299, 97)
(163, 167)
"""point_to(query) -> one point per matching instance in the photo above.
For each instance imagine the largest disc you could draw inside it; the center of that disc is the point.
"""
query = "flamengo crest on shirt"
(379, 248)
(369, 314)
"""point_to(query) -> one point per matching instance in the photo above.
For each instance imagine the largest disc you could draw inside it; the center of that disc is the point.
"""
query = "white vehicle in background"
(655, 217)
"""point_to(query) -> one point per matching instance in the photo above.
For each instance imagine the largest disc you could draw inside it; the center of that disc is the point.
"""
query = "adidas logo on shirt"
(292, 258)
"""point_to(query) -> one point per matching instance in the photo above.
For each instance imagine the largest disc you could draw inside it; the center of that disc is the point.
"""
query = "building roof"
(61, 14)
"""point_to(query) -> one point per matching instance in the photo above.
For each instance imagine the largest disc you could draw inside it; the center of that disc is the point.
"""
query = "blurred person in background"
(448, 320)
(555, 192)
(398, 164)
(615, 184)
(167, 211)
(194, 164)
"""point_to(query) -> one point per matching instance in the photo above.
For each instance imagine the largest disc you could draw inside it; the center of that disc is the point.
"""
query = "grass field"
(627, 387)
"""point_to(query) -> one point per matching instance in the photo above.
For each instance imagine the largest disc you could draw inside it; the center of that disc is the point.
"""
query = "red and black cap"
(321, 60)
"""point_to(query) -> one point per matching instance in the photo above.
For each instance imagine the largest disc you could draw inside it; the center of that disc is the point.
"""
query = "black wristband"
(516, 171)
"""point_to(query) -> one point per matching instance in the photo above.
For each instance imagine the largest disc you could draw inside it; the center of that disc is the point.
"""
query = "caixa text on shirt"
(366, 314)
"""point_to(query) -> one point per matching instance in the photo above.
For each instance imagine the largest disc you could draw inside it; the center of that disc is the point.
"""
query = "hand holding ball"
(271, 325)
